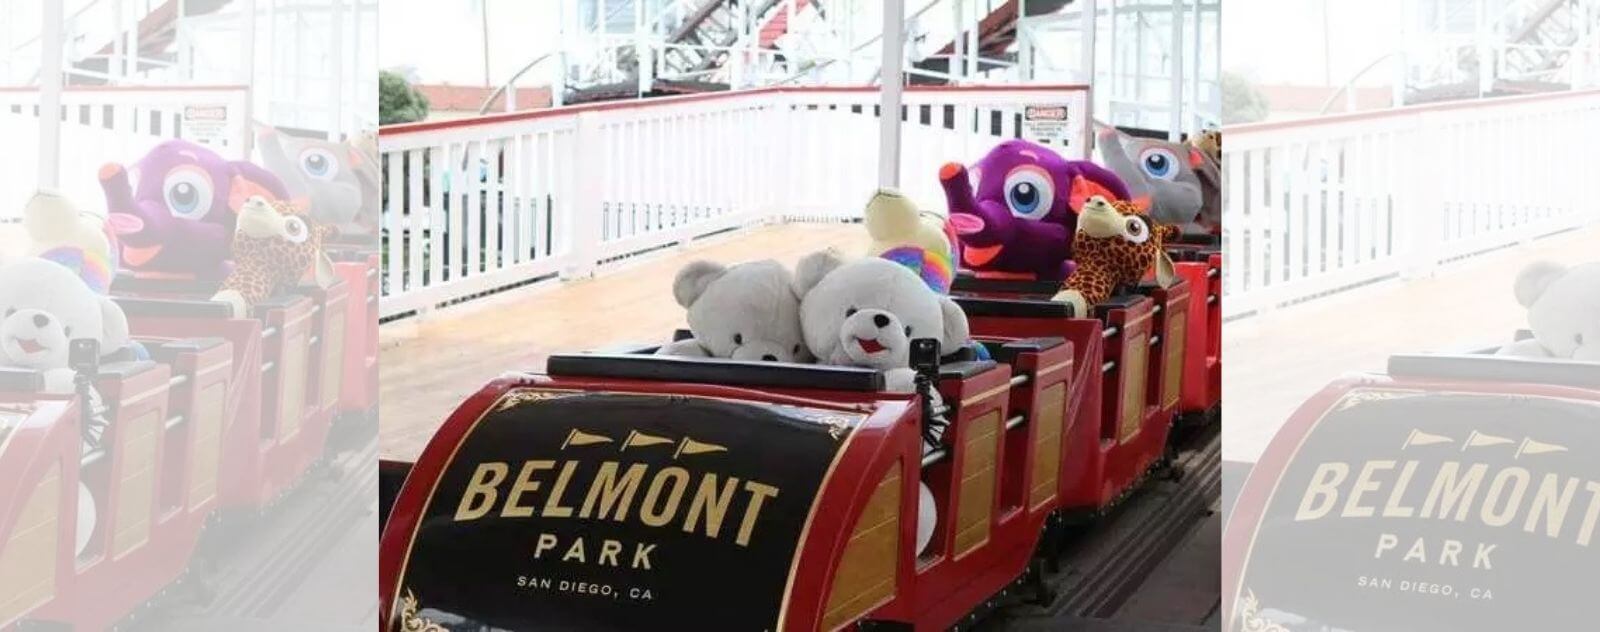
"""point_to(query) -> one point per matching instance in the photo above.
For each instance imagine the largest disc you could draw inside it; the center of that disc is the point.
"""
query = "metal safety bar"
(177, 380)
(269, 332)
(1110, 332)
(174, 421)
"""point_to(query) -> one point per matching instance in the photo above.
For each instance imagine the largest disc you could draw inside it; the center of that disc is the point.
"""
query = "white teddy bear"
(749, 311)
(1563, 311)
(43, 307)
(866, 313)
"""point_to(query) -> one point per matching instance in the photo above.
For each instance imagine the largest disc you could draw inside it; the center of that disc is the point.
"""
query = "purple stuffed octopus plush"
(179, 218)
(1021, 219)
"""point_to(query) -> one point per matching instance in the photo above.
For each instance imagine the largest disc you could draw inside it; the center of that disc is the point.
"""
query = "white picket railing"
(556, 193)
(113, 124)
(1316, 206)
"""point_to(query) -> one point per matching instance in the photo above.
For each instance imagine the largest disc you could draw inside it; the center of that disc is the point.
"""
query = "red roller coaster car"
(228, 414)
(634, 491)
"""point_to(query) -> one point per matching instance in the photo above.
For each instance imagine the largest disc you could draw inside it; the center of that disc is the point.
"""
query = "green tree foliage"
(398, 102)
(1241, 102)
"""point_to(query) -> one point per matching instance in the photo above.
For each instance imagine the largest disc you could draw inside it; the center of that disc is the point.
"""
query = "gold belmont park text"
(698, 503)
(1513, 497)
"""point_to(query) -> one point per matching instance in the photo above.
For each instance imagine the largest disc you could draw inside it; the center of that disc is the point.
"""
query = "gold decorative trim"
(1358, 398)
(1250, 619)
(523, 396)
(1003, 388)
(411, 621)
(839, 425)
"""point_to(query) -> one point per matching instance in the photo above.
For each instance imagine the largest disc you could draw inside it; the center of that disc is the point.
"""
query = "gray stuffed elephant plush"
(340, 181)
(1183, 183)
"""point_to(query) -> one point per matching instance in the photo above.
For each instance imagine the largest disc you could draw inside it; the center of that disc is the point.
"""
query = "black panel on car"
(1013, 308)
(1494, 368)
(173, 308)
(715, 371)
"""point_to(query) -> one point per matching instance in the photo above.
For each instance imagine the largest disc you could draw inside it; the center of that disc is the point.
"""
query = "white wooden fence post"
(50, 73)
(1419, 201)
(890, 85)
(584, 225)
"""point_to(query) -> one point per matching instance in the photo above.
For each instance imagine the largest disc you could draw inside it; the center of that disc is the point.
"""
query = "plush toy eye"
(319, 163)
(1578, 338)
(738, 339)
(1135, 230)
(10, 311)
(188, 193)
(295, 230)
(795, 350)
(1159, 163)
(908, 331)
(849, 312)
(1029, 193)
(66, 332)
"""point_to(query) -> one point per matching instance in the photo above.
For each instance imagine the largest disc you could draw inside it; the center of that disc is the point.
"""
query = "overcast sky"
(1281, 41)
(442, 39)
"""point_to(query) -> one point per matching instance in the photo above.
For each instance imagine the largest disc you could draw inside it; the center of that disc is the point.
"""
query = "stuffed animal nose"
(769, 358)
(40, 320)
(881, 320)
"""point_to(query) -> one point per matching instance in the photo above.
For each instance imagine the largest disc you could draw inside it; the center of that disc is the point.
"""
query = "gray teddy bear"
(748, 311)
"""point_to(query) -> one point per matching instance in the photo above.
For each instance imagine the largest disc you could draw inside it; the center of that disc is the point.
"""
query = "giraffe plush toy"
(1115, 245)
(275, 245)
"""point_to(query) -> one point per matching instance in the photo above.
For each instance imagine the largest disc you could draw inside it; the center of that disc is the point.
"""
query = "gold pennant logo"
(638, 439)
(1480, 440)
(1418, 437)
(577, 438)
(689, 446)
(1529, 446)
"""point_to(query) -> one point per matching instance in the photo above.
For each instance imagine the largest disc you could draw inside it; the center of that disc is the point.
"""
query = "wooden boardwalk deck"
(1275, 361)
(429, 365)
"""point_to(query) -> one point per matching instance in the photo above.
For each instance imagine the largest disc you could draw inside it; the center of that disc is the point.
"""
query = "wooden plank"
(1466, 303)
